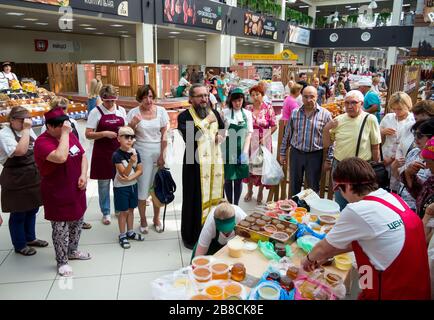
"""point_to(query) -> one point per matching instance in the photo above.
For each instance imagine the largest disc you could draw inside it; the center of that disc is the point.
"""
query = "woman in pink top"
(264, 125)
(290, 103)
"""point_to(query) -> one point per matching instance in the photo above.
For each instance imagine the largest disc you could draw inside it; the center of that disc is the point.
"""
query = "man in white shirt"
(219, 228)
(386, 235)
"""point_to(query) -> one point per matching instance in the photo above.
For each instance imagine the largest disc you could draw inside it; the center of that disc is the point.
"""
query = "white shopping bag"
(272, 172)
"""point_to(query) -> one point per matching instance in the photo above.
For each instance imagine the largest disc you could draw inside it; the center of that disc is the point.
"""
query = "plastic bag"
(307, 242)
(175, 286)
(310, 289)
(267, 249)
(305, 230)
(272, 172)
(256, 162)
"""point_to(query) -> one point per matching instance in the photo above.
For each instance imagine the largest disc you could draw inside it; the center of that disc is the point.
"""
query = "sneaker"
(106, 220)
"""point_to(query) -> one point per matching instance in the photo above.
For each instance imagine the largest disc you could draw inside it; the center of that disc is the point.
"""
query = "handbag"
(383, 178)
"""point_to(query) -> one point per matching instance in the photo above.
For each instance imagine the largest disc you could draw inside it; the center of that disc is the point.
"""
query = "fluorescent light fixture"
(318, 11)
(347, 6)
(172, 37)
(351, 9)
(90, 29)
(242, 40)
(125, 36)
(30, 19)
(15, 14)
(200, 39)
(85, 25)
(20, 27)
(245, 44)
(301, 7)
(406, 5)
(174, 32)
(99, 33)
(42, 23)
(254, 42)
(201, 35)
(116, 25)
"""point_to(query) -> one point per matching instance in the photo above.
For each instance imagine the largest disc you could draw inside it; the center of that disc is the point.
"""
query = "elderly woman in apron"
(102, 126)
(20, 181)
(63, 168)
(239, 125)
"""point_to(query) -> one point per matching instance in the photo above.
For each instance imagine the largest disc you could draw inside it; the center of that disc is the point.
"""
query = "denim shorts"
(126, 198)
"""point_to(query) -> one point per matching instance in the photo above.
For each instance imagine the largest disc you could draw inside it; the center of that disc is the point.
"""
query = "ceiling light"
(125, 36)
(90, 29)
(317, 11)
(42, 23)
(174, 32)
(242, 40)
(352, 9)
(201, 35)
(254, 42)
(172, 37)
(21, 27)
(30, 19)
(347, 6)
(85, 25)
(116, 25)
(373, 5)
(406, 5)
(15, 14)
(99, 33)
(200, 39)
(301, 7)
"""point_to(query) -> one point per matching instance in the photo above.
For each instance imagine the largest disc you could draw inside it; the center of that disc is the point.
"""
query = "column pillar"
(312, 13)
(220, 50)
(392, 53)
(145, 43)
(396, 12)
(283, 12)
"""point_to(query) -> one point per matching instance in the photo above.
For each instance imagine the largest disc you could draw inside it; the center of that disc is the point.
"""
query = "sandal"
(79, 255)
(248, 197)
(144, 230)
(27, 251)
(135, 236)
(125, 244)
(259, 199)
(38, 243)
(86, 226)
(158, 228)
(65, 271)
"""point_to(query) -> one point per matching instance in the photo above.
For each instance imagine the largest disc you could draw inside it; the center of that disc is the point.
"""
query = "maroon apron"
(20, 182)
(63, 200)
(102, 167)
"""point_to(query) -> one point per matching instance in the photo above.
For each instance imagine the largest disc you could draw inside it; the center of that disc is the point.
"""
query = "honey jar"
(214, 292)
(292, 272)
(260, 223)
(232, 290)
(220, 271)
(238, 272)
(202, 274)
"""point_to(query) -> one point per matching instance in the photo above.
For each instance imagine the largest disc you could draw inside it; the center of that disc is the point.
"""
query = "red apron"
(62, 199)
(407, 278)
(102, 167)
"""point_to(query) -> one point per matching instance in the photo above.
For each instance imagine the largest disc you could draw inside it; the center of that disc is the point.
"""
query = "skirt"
(149, 154)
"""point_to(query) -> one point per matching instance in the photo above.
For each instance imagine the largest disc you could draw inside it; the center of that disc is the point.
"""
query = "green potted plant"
(352, 20)
(383, 17)
(320, 22)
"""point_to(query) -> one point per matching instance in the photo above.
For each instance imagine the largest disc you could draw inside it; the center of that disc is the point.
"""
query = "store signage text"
(298, 35)
(284, 55)
(193, 13)
(259, 26)
(54, 46)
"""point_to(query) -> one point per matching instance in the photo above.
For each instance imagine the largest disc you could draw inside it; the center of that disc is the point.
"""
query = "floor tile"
(106, 261)
(18, 268)
(138, 286)
(3, 255)
(151, 256)
(25, 290)
(94, 288)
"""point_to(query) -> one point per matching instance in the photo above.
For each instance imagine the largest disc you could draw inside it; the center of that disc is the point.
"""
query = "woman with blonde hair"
(94, 98)
(376, 85)
(395, 130)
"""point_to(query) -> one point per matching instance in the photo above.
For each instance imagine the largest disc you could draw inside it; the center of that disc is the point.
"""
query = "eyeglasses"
(308, 97)
(202, 96)
(129, 136)
(351, 103)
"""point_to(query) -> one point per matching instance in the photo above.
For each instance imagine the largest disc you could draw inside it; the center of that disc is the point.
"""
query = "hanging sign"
(259, 26)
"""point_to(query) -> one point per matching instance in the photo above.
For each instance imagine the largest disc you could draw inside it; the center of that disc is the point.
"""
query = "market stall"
(404, 78)
(263, 261)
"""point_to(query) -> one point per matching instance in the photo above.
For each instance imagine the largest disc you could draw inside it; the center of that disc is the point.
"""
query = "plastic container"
(343, 262)
(324, 206)
(233, 289)
(202, 274)
(250, 246)
(269, 291)
(270, 228)
(235, 247)
(215, 292)
(327, 220)
(201, 261)
(220, 271)
(200, 297)
(280, 236)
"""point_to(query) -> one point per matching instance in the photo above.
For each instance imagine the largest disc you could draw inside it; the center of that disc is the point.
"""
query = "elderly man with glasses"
(304, 134)
(344, 131)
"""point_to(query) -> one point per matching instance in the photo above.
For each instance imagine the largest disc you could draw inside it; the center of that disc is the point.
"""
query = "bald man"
(304, 134)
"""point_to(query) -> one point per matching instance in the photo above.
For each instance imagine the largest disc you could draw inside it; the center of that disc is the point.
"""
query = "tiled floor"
(112, 273)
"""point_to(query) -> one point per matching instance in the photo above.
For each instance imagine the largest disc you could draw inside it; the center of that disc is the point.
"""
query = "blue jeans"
(338, 196)
(22, 228)
(104, 196)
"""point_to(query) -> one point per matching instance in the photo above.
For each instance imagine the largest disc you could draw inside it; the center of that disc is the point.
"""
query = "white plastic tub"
(324, 207)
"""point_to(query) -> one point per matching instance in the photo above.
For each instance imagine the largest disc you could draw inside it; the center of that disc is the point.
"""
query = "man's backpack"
(163, 190)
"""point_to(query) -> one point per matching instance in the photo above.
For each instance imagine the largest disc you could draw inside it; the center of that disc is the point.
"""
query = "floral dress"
(262, 124)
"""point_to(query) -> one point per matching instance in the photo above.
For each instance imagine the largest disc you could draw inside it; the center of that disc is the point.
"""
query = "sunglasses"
(129, 136)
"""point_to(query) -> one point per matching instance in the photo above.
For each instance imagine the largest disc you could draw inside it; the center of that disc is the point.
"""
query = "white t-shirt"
(238, 118)
(8, 143)
(299, 100)
(208, 232)
(95, 116)
(4, 79)
(212, 99)
(403, 133)
(183, 82)
(148, 131)
(378, 230)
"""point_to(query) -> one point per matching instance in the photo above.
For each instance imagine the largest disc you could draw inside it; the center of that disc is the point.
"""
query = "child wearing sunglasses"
(128, 169)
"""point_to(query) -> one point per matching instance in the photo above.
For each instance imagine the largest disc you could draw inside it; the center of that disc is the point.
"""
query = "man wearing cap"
(63, 168)
(6, 76)
(202, 129)
(20, 181)
(103, 125)
(372, 102)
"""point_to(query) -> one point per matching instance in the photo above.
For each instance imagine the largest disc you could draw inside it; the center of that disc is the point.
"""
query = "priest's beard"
(202, 110)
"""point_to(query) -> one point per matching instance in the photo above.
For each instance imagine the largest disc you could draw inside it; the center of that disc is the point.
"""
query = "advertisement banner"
(298, 35)
(54, 46)
(193, 13)
(410, 78)
(259, 26)
(116, 7)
